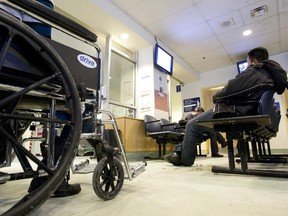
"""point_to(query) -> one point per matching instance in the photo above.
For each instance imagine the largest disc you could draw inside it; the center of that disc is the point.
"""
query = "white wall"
(145, 83)
(221, 76)
(176, 101)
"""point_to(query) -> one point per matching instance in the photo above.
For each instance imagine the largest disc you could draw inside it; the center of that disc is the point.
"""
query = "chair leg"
(243, 154)
(268, 147)
(254, 149)
(164, 150)
(199, 149)
(159, 150)
(231, 158)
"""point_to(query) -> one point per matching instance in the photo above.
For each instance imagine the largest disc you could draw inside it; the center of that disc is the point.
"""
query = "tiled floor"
(164, 189)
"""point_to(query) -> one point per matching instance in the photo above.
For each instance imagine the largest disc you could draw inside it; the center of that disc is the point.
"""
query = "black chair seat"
(163, 132)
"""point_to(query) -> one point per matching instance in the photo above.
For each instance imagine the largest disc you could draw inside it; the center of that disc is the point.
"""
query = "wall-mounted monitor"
(241, 66)
(163, 60)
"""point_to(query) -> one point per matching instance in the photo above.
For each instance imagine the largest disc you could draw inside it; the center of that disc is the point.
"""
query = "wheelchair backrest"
(83, 67)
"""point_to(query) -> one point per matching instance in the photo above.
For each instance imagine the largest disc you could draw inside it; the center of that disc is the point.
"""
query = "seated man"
(262, 74)
(215, 136)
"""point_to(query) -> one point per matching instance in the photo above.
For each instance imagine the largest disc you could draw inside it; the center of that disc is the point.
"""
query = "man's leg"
(213, 142)
(65, 189)
(193, 135)
(221, 139)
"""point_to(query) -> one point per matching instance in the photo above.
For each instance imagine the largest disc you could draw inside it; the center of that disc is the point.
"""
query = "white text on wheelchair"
(87, 61)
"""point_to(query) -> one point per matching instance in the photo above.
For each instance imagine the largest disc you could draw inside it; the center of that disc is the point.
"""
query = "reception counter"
(132, 134)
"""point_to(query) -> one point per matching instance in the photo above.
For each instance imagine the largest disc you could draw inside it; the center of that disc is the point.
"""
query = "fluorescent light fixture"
(247, 32)
(124, 36)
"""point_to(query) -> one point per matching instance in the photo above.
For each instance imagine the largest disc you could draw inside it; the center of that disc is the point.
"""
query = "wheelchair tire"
(107, 181)
(32, 74)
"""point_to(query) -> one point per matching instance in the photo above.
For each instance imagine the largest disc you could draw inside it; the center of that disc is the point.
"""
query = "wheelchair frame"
(54, 88)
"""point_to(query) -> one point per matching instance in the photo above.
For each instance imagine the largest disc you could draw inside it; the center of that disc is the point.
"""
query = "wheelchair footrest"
(84, 167)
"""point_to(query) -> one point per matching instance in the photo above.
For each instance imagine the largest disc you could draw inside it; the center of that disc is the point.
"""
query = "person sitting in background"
(214, 136)
(261, 75)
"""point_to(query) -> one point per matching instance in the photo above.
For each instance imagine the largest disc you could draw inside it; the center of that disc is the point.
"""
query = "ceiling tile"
(199, 47)
(188, 36)
(226, 23)
(284, 46)
(212, 9)
(282, 5)
(150, 11)
(205, 60)
(185, 19)
(238, 51)
(283, 20)
(259, 28)
(126, 4)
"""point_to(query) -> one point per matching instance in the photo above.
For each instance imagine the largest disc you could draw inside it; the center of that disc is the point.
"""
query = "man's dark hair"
(199, 109)
(259, 53)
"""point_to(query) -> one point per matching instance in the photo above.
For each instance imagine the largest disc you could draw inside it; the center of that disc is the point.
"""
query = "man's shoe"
(167, 157)
(217, 155)
(173, 158)
(237, 155)
(66, 189)
(224, 144)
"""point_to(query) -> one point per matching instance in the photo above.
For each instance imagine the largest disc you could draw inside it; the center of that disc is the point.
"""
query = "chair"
(163, 132)
(260, 137)
(257, 127)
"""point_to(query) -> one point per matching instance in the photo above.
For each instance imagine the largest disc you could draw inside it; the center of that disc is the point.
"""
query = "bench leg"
(159, 150)
(231, 158)
(243, 154)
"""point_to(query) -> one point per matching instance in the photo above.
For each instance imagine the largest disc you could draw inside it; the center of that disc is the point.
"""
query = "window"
(121, 85)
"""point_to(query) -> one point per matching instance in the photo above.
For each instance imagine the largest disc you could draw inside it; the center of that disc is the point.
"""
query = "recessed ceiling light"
(247, 32)
(124, 36)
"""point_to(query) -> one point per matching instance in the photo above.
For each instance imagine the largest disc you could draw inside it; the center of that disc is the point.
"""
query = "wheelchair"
(36, 84)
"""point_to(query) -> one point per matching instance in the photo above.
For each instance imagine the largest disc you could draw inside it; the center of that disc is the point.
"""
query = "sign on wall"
(191, 103)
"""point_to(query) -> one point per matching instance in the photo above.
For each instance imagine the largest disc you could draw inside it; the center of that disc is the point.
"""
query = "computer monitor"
(163, 60)
(242, 65)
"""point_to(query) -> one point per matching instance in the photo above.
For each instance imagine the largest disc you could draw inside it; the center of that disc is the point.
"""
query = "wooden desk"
(132, 134)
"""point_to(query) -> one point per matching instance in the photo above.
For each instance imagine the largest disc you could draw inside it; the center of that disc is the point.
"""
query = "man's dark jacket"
(241, 94)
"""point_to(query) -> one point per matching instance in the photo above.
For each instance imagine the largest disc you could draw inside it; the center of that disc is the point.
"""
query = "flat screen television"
(163, 60)
(241, 66)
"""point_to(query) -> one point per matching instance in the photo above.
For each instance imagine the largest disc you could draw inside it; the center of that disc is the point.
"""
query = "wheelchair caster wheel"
(108, 180)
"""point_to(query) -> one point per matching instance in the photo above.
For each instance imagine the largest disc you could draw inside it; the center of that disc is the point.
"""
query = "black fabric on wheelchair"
(163, 133)
(81, 73)
(243, 129)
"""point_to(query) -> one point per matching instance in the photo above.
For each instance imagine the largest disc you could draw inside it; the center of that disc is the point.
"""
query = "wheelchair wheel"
(108, 180)
(35, 84)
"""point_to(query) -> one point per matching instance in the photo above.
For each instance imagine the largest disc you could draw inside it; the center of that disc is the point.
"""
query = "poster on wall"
(191, 103)
(160, 91)
(145, 93)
